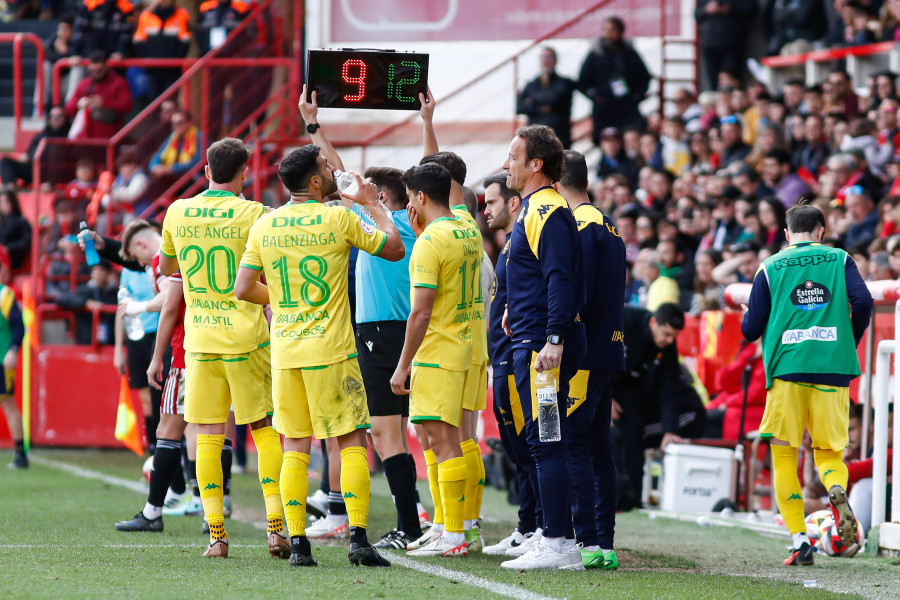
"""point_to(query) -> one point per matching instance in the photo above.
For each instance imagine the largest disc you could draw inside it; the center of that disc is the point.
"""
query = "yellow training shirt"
(304, 251)
(442, 260)
(476, 299)
(208, 234)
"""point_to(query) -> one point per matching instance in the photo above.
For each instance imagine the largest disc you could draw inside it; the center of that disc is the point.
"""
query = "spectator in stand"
(792, 92)
(844, 98)
(15, 168)
(814, 151)
(724, 412)
(769, 137)
(217, 19)
(747, 180)
(181, 150)
(886, 124)
(547, 99)
(701, 156)
(101, 290)
(615, 78)
(813, 100)
(845, 172)
(57, 48)
(772, 221)
(676, 155)
(721, 27)
(163, 31)
(887, 28)
(740, 266)
(733, 147)
(863, 218)
(613, 158)
(80, 190)
(650, 154)
(856, 18)
(103, 25)
(15, 230)
(880, 267)
(128, 196)
(776, 174)
(787, 21)
(885, 87)
(162, 129)
(100, 101)
(893, 250)
(62, 231)
(727, 230)
(708, 295)
(688, 109)
(861, 135)
(659, 191)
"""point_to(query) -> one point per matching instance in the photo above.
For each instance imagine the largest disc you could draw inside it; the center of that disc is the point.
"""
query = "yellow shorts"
(475, 387)
(792, 407)
(327, 401)
(436, 395)
(215, 382)
(578, 386)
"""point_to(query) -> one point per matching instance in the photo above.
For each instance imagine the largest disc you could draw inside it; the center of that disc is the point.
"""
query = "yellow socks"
(209, 478)
(355, 485)
(832, 470)
(452, 478)
(434, 487)
(788, 494)
(294, 487)
(268, 446)
(474, 479)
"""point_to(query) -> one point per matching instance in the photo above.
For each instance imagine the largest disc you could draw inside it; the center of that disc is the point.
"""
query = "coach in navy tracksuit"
(590, 394)
(545, 286)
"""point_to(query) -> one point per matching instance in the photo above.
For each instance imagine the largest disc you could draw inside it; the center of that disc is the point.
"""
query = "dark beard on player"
(329, 186)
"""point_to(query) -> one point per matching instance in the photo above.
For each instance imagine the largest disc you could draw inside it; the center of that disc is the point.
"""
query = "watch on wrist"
(555, 339)
(311, 128)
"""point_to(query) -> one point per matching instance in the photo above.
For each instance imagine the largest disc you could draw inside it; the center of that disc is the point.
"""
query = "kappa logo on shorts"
(810, 295)
(819, 334)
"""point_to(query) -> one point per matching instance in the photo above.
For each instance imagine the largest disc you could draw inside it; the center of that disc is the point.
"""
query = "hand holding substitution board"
(381, 79)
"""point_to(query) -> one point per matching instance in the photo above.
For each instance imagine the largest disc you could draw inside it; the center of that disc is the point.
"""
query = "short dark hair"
(670, 314)
(470, 199)
(98, 56)
(226, 159)
(451, 161)
(431, 179)
(619, 23)
(782, 155)
(390, 181)
(297, 168)
(541, 143)
(500, 180)
(805, 217)
(575, 173)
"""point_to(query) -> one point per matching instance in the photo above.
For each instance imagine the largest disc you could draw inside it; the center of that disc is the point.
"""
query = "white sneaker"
(173, 500)
(317, 504)
(190, 508)
(531, 540)
(513, 540)
(542, 556)
(440, 547)
(429, 536)
(332, 526)
(576, 563)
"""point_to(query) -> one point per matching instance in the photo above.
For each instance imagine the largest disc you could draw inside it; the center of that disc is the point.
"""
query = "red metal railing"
(16, 39)
(828, 55)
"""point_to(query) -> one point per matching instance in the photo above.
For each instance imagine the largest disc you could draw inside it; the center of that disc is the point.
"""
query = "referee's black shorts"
(379, 345)
(140, 353)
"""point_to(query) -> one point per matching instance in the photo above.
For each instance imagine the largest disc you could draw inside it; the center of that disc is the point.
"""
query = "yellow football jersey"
(476, 301)
(442, 259)
(208, 234)
(304, 251)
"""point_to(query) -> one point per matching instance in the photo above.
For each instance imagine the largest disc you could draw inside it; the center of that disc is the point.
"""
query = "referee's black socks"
(401, 479)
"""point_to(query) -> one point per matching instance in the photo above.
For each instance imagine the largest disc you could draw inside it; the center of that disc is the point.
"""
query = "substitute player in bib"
(437, 350)
(226, 340)
(808, 302)
(586, 434)
(475, 387)
(303, 249)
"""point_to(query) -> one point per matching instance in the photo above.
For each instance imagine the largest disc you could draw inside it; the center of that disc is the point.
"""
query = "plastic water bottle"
(134, 328)
(548, 409)
(346, 182)
(90, 250)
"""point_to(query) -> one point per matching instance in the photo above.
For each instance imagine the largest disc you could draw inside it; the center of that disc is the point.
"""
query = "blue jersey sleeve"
(861, 302)
(760, 305)
(558, 265)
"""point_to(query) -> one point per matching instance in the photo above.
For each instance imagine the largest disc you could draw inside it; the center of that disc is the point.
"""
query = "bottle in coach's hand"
(548, 409)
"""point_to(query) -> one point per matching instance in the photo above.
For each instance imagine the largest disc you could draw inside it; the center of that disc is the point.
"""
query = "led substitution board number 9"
(367, 78)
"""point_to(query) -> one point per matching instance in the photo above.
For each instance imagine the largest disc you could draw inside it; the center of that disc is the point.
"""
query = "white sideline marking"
(501, 589)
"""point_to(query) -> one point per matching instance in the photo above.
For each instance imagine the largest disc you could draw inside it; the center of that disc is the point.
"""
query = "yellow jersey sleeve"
(168, 245)
(424, 264)
(251, 258)
(360, 234)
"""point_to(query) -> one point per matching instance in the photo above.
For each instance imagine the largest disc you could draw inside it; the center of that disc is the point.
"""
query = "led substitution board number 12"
(367, 78)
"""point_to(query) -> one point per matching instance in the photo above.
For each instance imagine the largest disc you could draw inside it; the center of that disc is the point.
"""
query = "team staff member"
(590, 397)
(382, 307)
(808, 302)
(545, 292)
(12, 332)
(475, 388)
(437, 350)
(304, 251)
(501, 209)
(226, 340)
